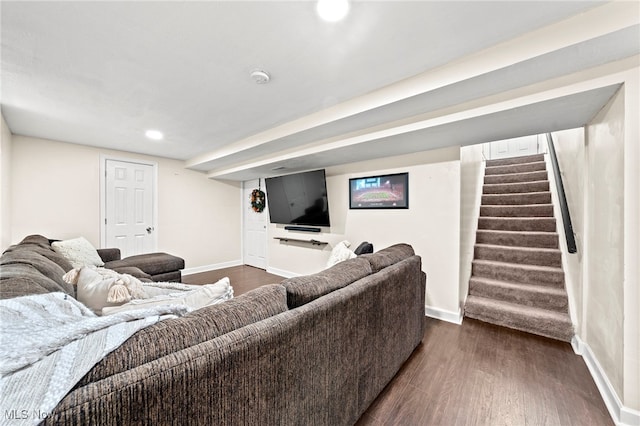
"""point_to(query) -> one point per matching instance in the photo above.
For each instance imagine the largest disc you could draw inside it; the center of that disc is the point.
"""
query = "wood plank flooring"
(481, 374)
(243, 278)
(472, 374)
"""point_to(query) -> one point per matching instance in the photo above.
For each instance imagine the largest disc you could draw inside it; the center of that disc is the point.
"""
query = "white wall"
(570, 151)
(472, 167)
(605, 239)
(5, 185)
(602, 182)
(56, 193)
(431, 224)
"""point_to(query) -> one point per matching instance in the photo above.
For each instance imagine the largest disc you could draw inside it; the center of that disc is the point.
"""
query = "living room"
(51, 187)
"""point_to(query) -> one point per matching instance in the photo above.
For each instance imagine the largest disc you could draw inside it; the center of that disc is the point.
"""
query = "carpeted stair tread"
(518, 238)
(545, 224)
(543, 322)
(517, 279)
(516, 160)
(524, 210)
(522, 255)
(525, 294)
(517, 198)
(519, 273)
(515, 168)
(517, 177)
(516, 188)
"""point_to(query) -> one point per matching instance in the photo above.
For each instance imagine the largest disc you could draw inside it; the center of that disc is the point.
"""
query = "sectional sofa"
(311, 350)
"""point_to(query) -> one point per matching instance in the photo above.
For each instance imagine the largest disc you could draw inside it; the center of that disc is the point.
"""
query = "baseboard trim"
(621, 415)
(213, 267)
(442, 315)
(282, 273)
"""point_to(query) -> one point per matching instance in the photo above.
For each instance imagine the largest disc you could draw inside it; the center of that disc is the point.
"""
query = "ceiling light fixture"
(332, 10)
(260, 77)
(156, 135)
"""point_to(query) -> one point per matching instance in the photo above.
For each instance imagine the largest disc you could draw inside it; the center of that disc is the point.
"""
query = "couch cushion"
(151, 263)
(29, 260)
(388, 256)
(304, 289)
(134, 272)
(204, 324)
(21, 279)
(40, 245)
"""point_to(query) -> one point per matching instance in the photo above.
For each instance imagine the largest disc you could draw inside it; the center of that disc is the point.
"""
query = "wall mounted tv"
(379, 192)
(298, 199)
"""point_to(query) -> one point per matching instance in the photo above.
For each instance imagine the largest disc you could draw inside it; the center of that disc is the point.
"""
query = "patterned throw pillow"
(79, 252)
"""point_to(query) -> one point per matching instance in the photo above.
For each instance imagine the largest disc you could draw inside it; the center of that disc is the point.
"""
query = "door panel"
(527, 145)
(129, 200)
(255, 230)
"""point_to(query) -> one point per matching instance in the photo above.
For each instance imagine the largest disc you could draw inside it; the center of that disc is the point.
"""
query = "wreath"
(257, 200)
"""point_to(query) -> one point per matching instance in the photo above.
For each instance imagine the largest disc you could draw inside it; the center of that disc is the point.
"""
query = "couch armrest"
(109, 254)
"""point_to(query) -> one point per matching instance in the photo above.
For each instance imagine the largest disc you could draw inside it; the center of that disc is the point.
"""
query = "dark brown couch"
(312, 350)
(33, 267)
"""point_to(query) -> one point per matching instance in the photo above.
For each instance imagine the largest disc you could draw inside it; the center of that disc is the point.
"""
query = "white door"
(516, 147)
(129, 207)
(255, 229)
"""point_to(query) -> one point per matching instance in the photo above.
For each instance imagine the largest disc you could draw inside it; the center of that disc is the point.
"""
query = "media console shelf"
(313, 242)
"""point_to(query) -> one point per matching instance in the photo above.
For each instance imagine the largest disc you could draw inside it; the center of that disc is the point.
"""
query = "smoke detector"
(260, 77)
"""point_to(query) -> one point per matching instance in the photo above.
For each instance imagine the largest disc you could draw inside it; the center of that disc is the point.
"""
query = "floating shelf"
(313, 242)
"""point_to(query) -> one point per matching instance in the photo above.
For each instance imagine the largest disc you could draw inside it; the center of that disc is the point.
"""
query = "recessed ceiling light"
(332, 10)
(260, 76)
(156, 135)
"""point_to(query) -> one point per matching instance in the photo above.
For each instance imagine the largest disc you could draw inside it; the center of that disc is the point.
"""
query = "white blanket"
(50, 341)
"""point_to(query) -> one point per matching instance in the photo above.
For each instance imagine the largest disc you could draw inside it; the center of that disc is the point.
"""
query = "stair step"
(526, 210)
(542, 322)
(516, 273)
(516, 160)
(523, 294)
(543, 224)
(517, 198)
(515, 168)
(516, 188)
(517, 177)
(520, 255)
(518, 238)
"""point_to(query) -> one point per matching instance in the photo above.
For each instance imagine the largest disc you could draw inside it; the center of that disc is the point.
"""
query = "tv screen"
(379, 192)
(298, 199)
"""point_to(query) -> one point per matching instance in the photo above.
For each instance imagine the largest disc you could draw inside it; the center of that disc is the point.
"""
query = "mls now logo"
(25, 414)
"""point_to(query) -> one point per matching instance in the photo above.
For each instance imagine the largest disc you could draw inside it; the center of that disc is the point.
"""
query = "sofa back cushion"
(32, 267)
(304, 289)
(199, 326)
(388, 256)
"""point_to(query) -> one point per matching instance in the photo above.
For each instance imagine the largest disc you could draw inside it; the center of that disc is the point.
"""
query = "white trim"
(103, 181)
(212, 267)
(442, 315)
(621, 415)
(282, 273)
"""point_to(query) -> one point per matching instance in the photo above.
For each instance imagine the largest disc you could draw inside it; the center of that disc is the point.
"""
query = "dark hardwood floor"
(472, 374)
(481, 374)
(242, 278)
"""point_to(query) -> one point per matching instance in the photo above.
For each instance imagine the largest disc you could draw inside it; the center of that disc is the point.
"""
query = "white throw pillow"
(196, 298)
(78, 251)
(340, 252)
(93, 287)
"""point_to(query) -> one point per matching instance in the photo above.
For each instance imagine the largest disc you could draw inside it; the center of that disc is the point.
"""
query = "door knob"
(150, 229)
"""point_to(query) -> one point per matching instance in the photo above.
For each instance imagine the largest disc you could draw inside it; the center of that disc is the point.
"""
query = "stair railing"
(564, 207)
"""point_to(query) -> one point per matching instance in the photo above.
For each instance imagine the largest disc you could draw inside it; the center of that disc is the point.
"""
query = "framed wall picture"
(379, 192)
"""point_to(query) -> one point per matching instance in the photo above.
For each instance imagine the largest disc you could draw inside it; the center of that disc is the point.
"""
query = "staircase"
(517, 279)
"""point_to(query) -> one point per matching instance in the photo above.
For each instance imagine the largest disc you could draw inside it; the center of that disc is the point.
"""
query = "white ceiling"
(101, 73)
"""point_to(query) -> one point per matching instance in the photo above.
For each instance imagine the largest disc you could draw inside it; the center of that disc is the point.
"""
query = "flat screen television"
(298, 199)
(379, 192)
